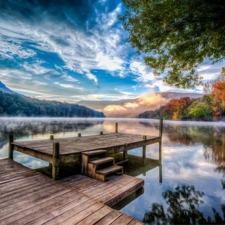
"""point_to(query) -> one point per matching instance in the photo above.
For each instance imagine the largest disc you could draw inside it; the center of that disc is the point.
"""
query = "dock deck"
(26, 196)
(69, 150)
(112, 142)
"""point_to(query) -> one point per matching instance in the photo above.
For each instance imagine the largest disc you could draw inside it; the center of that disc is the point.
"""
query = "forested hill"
(15, 105)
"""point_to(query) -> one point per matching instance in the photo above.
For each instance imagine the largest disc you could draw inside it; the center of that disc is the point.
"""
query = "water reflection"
(212, 138)
(193, 155)
(182, 207)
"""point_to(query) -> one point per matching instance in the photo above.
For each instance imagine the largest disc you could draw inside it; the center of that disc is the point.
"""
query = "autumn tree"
(219, 94)
(176, 36)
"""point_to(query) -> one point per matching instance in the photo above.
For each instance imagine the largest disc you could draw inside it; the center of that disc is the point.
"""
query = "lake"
(188, 185)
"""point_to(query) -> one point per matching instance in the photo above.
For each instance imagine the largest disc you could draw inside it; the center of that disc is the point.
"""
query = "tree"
(200, 110)
(175, 36)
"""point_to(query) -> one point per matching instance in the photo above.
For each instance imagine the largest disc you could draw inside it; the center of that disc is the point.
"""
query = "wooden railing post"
(11, 146)
(116, 127)
(55, 161)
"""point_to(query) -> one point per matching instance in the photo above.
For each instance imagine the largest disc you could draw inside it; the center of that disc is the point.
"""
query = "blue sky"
(73, 51)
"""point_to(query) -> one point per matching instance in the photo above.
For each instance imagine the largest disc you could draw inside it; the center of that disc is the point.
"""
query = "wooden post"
(56, 161)
(51, 137)
(160, 135)
(10, 146)
(116, 127)
(79, 135)
(124, 155)
(144, 151)
(161, 127)
(101, 132)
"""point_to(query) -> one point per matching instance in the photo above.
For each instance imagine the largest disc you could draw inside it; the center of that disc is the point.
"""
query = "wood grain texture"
(28, 197)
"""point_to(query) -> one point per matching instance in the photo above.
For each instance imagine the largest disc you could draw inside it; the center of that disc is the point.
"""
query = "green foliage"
(15, 105)
(176, 36)
(200, 110)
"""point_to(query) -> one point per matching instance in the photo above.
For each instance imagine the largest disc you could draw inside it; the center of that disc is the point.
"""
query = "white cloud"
(36, 68)
(92, 77)
(144, 73)
(69, 78)
(68, 86)
(8, 49)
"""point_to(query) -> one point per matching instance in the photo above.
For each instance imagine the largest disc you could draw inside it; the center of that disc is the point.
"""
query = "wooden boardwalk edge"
(27, 196)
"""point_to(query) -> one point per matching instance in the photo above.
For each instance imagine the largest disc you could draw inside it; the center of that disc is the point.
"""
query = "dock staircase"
(97, 165)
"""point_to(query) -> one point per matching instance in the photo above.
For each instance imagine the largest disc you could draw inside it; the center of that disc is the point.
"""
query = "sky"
(75, 50)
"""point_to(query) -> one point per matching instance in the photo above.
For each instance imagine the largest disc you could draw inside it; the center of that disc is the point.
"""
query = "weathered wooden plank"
(33, 153)
(109, 218)
(83, 214)
(31, 200)
(41, 209)
(122, 220)
(14, 184)
(21, 193)
(102, 160)
(110, 170)
(96, 152)
(96, 216)
(117, 195)
(70, 213)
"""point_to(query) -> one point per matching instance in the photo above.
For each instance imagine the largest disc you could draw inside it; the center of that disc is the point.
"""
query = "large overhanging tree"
(175, 36)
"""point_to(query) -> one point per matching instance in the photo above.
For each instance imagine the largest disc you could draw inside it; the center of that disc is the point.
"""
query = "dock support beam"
(55, 161)
(160, 135)
(11, 146)
(124, 155)
(116, 127)
(144, 151)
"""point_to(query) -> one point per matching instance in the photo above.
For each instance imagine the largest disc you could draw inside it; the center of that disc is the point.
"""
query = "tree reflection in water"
(182, 208)
(212, 138)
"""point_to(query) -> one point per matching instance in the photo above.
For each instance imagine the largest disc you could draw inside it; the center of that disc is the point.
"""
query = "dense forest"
(210, 106)
(15, 105)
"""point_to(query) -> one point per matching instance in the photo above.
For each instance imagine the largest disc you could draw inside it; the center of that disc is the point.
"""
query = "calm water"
(189, 185)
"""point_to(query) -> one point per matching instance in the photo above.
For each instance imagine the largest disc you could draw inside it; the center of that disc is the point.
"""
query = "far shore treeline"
(16, 105)
(210, 107)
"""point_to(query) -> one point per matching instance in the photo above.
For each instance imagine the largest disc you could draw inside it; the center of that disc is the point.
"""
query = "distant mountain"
(4, 89)
(133, 107)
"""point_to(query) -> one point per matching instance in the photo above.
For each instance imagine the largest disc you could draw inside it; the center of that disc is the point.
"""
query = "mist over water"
(193, 155)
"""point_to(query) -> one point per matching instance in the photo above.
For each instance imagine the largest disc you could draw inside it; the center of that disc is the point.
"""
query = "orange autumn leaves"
(219, 90)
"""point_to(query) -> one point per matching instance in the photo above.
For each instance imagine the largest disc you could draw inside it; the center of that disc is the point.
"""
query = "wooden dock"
(69, 150)
(110, 192)
(28, 197)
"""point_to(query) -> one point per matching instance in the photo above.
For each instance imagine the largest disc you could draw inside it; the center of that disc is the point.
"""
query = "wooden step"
(96, 152)
(102, 160)
(110, 170)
